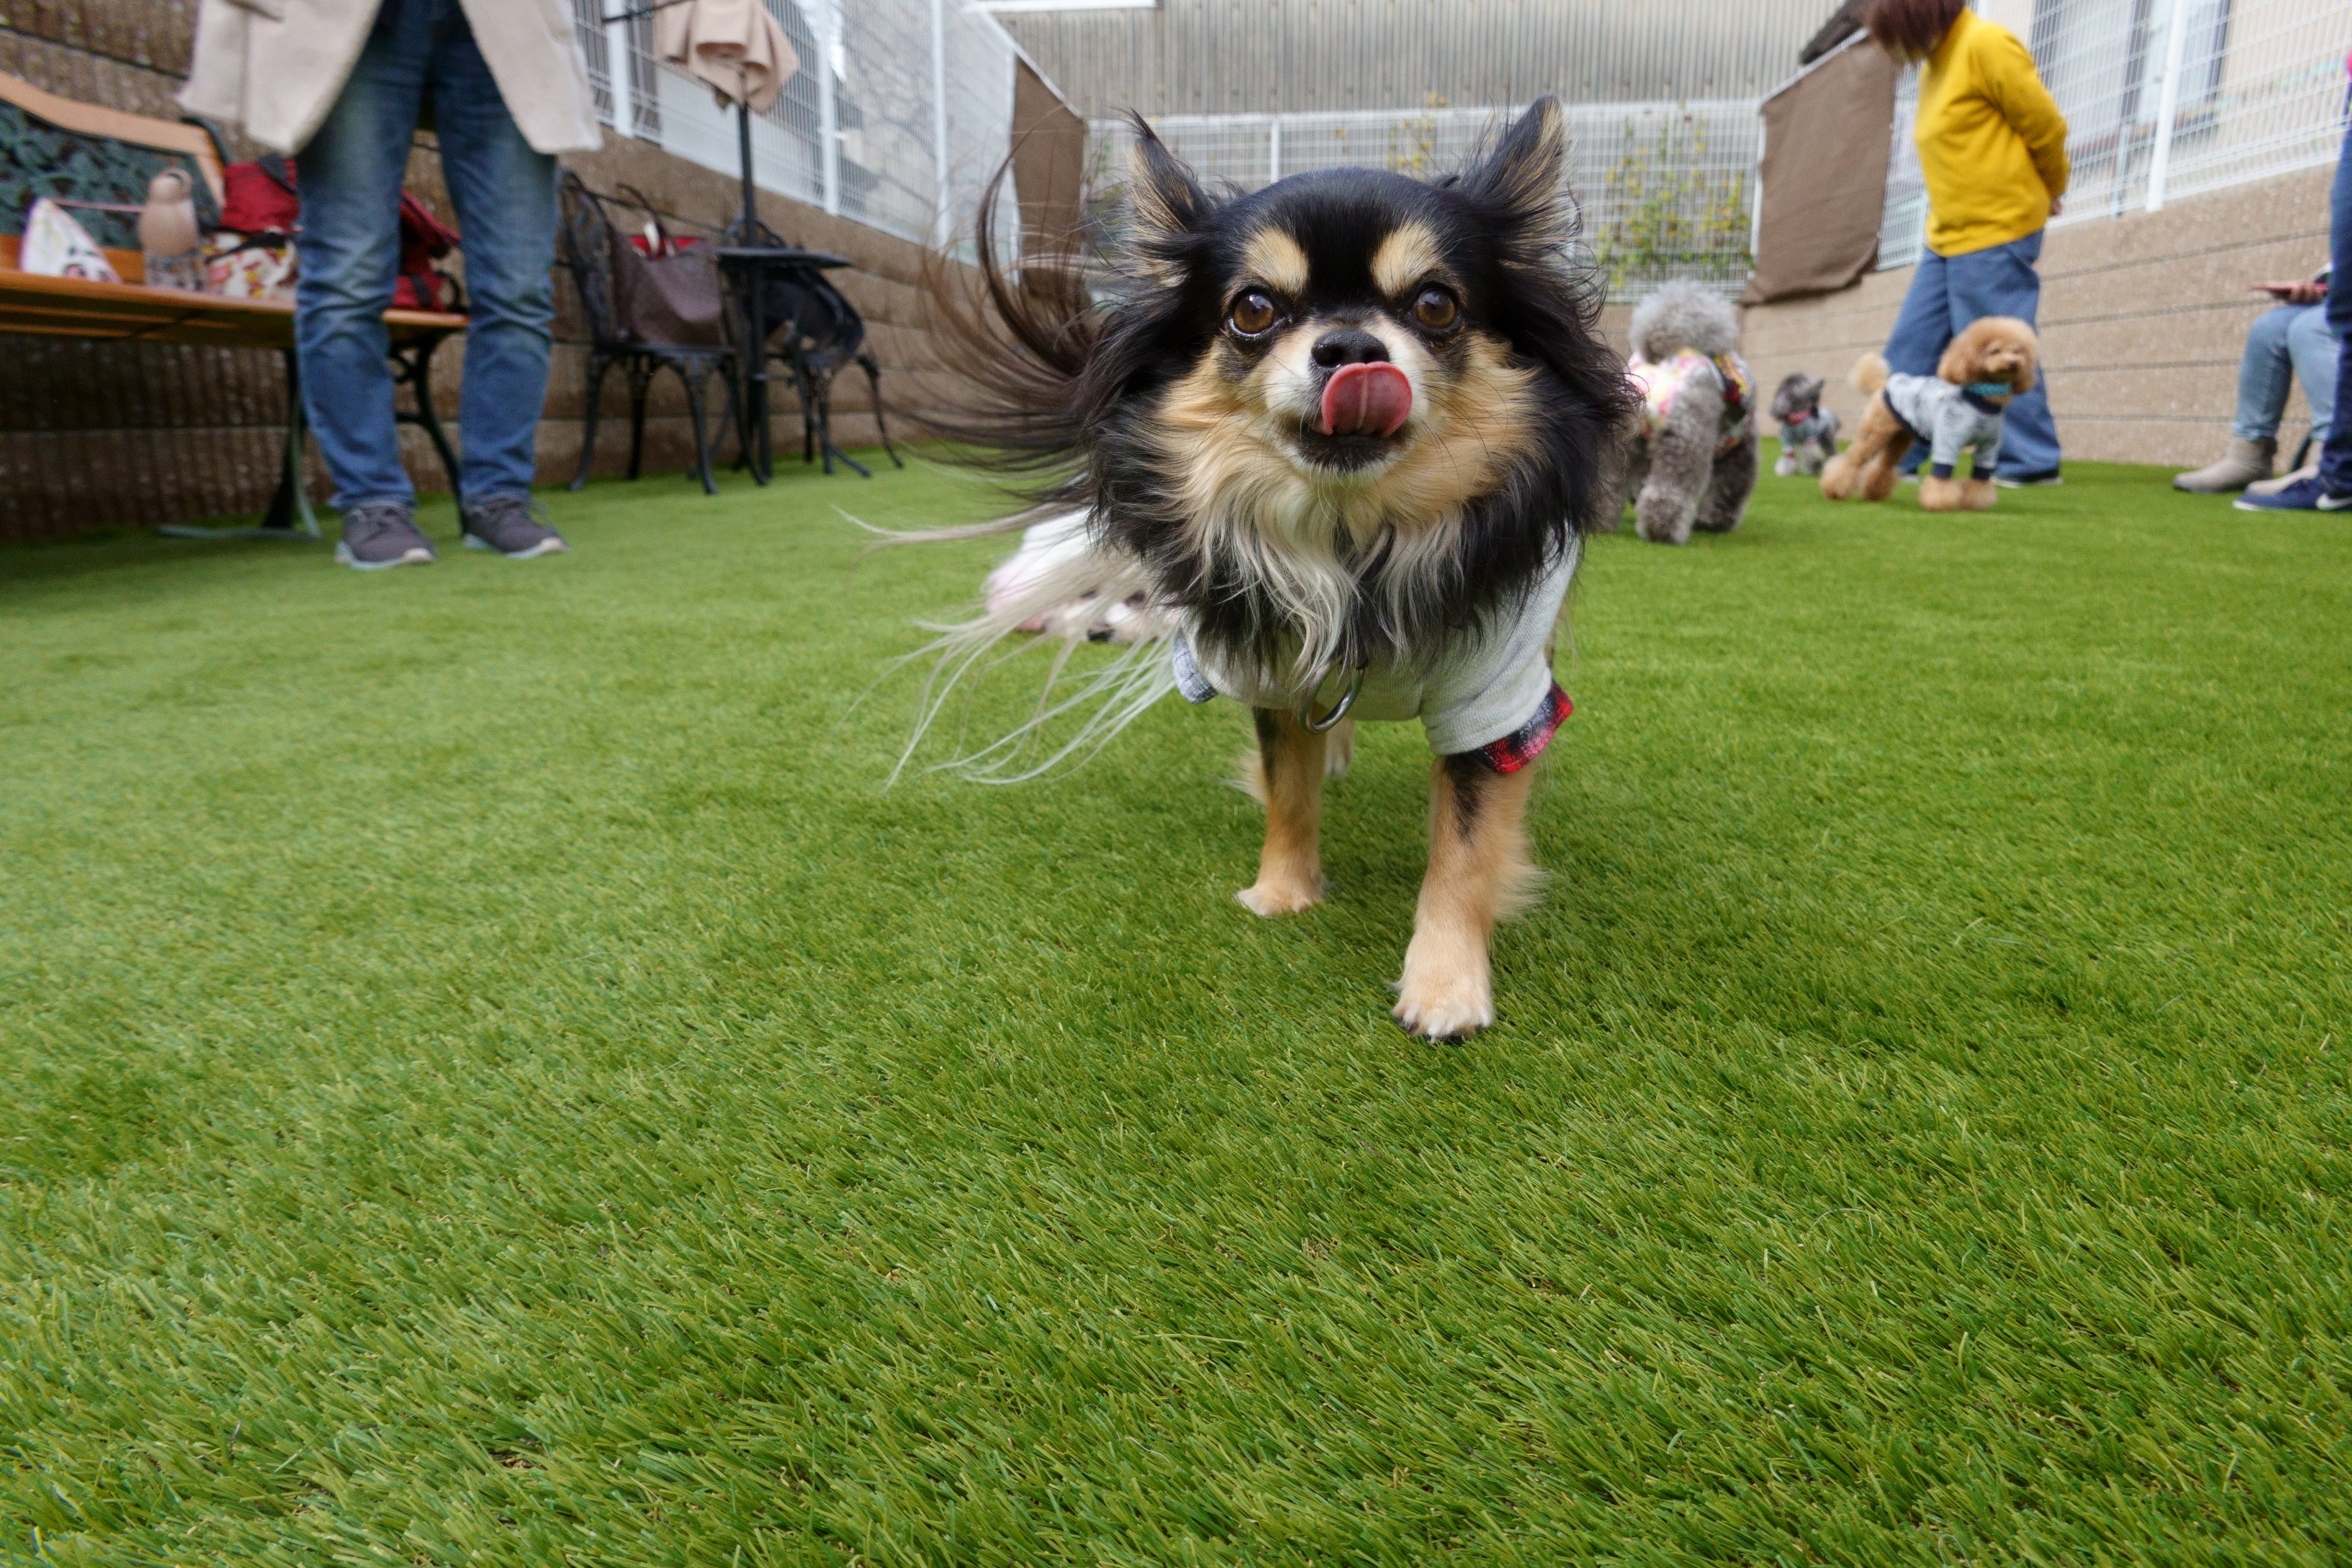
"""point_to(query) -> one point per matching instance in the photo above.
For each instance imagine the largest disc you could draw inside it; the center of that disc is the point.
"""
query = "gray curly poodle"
(1689, 456)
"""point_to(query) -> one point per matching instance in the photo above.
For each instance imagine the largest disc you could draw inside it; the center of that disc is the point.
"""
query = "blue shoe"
(2303, 495)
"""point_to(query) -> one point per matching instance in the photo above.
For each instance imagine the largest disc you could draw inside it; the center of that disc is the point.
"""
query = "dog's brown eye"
(1253, 313)
(1435, 309)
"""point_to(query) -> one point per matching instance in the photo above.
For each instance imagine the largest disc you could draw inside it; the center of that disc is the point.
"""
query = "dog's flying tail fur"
(1104, 699)
(1868, 374)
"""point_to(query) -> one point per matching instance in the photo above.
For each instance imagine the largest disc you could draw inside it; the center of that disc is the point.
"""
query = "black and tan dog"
(1343, 435)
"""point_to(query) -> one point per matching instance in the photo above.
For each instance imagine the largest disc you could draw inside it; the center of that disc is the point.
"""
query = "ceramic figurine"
(168, 233)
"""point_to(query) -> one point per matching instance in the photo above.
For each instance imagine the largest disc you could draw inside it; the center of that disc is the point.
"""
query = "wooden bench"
(129, 311)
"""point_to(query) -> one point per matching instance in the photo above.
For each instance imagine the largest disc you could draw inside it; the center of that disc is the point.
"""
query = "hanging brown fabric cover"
(1049, 165)
(1827, 136)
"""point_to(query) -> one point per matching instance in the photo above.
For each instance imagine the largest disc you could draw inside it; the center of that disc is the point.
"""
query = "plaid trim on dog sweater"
(1524, 745)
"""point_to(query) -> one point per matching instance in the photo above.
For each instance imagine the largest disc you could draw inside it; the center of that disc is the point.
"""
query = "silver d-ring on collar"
(1314, 726)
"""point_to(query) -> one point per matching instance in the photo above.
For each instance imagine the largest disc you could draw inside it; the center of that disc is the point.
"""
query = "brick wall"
(112, 434)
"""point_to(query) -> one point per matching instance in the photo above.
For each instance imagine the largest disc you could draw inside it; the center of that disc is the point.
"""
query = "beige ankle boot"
(2247, 461)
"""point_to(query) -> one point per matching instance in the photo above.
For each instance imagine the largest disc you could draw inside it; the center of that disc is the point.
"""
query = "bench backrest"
(72, 151)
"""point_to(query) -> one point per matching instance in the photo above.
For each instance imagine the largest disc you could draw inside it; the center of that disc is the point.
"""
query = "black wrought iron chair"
(824, 335)
(819, 334)
(589, 237)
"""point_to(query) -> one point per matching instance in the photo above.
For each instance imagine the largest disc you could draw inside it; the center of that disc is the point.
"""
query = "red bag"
(260, 199)
(424, 240)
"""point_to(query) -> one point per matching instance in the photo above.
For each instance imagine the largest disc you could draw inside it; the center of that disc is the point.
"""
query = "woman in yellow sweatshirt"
(1992, 146)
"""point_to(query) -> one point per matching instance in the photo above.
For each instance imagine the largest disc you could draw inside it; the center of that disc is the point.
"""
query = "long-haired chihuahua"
(1345, 432)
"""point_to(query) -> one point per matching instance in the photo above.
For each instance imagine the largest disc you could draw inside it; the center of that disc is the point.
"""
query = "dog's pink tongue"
(1366, 400)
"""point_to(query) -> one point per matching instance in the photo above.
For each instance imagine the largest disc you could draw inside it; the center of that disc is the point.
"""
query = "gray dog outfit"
(1948, 417)
(1491, 693)
(1820, 424)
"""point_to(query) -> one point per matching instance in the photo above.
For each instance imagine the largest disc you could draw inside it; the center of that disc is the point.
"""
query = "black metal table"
(748, 268)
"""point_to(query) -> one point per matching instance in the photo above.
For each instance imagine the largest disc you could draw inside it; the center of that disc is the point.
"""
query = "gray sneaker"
(511, 525)
(380, 535)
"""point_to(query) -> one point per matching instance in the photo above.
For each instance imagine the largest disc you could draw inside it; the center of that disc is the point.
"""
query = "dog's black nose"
(1350, 346)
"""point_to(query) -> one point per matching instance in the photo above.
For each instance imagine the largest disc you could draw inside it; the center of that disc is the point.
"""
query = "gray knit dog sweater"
(1947, 419)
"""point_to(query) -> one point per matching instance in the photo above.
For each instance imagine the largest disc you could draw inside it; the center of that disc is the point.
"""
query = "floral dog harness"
(1663, 383)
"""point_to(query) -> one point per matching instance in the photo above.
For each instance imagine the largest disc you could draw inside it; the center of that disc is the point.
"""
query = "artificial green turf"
(491, 1080)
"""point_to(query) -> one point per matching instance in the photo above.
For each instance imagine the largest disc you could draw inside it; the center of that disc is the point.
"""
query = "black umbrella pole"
(744, 144)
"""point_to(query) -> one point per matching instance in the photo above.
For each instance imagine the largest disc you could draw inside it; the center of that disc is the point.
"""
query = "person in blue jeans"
(2330, 489)
(1992, 152)
(1948, 292)
(506, 90)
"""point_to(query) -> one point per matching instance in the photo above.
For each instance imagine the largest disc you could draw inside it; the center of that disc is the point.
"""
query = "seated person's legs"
(2265, 372)
(2331, 491)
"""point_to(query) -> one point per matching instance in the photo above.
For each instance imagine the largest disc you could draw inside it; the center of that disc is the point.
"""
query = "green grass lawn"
(489, 1078)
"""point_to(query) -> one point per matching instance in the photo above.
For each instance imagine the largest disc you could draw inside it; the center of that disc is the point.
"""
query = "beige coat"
(276, 66)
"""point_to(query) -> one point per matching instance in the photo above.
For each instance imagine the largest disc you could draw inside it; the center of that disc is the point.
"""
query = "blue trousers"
(350, 178)
(2287, 341)
(1946, 293)
(2335, 457)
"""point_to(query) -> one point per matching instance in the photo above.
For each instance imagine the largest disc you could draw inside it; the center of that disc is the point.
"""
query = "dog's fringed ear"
(1164, 200)
(1522, 177)
(2029, 373)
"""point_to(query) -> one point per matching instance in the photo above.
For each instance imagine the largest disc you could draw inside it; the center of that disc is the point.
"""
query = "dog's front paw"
(1269, 897)
(1979, 495)
(1784, 464)
(1444, 997)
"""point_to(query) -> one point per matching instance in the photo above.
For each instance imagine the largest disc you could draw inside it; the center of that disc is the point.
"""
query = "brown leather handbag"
(665, 288)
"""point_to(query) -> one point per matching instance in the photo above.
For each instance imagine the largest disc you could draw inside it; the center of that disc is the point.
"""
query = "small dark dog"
(1344, 433)
(1808, 432)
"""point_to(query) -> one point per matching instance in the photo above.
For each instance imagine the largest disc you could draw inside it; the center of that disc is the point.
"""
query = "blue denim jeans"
(2335, 457)
(1946, 293)
(423, 51)
(2282, 343)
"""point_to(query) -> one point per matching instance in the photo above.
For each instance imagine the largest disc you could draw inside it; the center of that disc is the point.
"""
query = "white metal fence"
(1261, 57)
(902, 108)
(2165, 99)
(1665, 190)
(1903, 223)
(899, 112)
